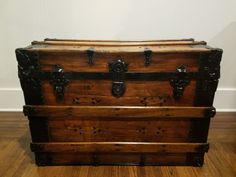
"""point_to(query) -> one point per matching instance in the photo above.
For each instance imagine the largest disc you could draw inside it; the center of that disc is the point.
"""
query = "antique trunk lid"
(123, 64)
(141, 56)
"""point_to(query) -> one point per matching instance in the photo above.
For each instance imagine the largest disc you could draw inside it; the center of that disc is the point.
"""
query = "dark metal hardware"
(209, 69)
(118, 89)
(58, 81)
(148, 55)
(95, 159)
(43, 159)
(179, 82)
(198, 161)
(152, 76)
(210, 112)
(90, 54)
(28, 110)
(28, 66)
(142, 160)
(28, 72)
(118, 69)
(204, 148)
(210, 64)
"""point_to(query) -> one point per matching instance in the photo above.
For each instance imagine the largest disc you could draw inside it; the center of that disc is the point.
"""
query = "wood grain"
(117, 43)
(78, 61)
(117, 111)
(138, 93)
(111, 147)
(124, 158)
(79, 40)
(164, 49)
(101, 129)
(16, 159)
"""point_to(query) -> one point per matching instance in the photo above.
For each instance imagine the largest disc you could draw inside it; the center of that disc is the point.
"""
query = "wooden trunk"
(119, 102)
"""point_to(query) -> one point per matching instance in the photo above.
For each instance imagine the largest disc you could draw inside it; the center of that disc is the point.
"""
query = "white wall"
(23, 21)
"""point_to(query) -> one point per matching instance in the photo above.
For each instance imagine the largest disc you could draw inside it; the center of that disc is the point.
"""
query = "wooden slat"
(117, 159)
(117, 111)
(160, 40)
(119, 43)
(140, 147)
(116, 130)
(78, 62)
(137, 93)
(121, 49)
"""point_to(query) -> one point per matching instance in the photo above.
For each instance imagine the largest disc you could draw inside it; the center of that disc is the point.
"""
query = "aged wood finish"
(119, 102)
(119, 159)
(160, 62)
(138, 93)
(84, 124)
(119, 43)
(138, 152)
(119, 111)
(100, 129)
(140, 147)
(78, 40)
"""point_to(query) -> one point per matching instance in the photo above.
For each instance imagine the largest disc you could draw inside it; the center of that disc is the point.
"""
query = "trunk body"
(119, 102)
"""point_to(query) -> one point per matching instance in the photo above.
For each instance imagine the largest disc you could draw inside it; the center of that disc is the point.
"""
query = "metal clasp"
(118, 69)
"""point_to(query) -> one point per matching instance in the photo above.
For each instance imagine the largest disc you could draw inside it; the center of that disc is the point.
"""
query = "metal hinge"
(148, 55)
(90, 54)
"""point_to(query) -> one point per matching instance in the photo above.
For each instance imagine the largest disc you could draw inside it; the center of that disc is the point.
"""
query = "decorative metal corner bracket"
(209, 70)
(179, 82)
(58, 81)
(203, 148)
(210, 64)
(198, 161)
(118, 69)
(148, 56)
(28, 67)
(28, 110)
(90, 54)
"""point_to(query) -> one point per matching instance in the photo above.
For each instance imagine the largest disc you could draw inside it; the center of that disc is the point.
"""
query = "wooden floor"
(17, 160)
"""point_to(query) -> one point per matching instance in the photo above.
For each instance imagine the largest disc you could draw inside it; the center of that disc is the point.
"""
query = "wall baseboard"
(225, 100)
(12, 100)
(11, 110)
